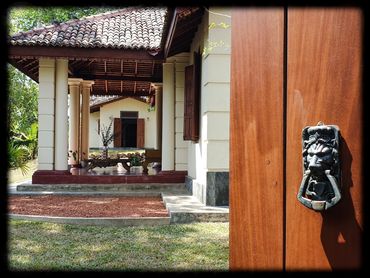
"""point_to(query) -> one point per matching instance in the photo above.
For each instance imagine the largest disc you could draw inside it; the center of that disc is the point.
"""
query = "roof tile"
(126, 28)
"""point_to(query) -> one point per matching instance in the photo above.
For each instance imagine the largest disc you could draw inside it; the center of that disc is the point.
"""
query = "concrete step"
(99, 188)
(186, 209)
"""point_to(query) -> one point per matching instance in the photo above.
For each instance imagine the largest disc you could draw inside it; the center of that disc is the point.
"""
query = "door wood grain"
(256, 139)
(140, 133)
(324, 84)
(117, 125)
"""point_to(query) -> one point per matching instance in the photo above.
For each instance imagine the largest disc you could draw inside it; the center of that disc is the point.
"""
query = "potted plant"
(107, 137)
(136, 160)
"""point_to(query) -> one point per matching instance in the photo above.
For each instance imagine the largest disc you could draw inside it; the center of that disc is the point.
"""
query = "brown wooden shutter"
(192, 100)
(188, 101)
(117, 132)
(140, 133)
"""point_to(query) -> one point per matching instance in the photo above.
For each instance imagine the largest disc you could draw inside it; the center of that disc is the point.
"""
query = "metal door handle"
(320, 186)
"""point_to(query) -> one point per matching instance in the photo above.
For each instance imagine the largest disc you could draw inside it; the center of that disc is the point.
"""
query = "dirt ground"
(86, 206)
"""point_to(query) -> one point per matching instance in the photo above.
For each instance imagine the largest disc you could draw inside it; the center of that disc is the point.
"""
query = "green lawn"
(47, 246)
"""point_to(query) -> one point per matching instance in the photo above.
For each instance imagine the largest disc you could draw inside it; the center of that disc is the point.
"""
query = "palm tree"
(17, 157)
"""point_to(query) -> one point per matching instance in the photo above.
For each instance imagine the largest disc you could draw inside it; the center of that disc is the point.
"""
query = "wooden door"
(291, 69)
(324, 84)
(256, 139)
(117, 125)
(140, 133)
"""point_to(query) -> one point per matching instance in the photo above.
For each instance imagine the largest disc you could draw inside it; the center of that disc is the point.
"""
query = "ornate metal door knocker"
(319, 189)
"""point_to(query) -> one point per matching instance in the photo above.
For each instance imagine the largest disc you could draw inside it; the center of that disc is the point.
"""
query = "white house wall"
(209, 158)
(94, 138)
(112, 110)
(180, 61)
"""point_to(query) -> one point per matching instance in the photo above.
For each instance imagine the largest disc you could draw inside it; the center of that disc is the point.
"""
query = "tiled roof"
(129, 28)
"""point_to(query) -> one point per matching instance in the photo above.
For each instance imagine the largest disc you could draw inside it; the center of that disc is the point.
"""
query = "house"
(134, 121)
(179, 58)
(290, 67)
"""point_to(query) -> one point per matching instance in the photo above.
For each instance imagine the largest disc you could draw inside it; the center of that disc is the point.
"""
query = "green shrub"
(17, 157)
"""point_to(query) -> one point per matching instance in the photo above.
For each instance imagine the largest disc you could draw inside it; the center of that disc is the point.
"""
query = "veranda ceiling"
(122, 51)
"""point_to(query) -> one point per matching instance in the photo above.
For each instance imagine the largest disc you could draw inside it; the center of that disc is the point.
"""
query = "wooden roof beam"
(25, 71)
(171, 32)
(117, 92)
(31, 63)
(117, 77)
(80, 53)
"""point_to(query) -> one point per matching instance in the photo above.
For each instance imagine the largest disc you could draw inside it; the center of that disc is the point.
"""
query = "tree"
(27, 18)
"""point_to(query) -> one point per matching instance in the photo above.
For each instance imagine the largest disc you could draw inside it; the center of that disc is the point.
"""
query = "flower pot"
(105, 152)
(135, 169)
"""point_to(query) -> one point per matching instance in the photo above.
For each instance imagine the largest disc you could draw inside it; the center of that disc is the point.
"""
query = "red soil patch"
(87, 206)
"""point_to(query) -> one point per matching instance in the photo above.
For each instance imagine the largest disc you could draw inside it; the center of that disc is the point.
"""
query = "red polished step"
(65, 177)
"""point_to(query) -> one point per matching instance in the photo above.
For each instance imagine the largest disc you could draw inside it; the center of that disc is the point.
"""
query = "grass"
(15, 175)
(180, 247)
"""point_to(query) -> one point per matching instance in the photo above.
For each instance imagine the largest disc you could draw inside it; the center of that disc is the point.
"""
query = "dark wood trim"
(25, 71)
(95, 108)
(140, 133)
(119, 78)
(118, 93)
(86, 53)
(170, 34)
(117, 130)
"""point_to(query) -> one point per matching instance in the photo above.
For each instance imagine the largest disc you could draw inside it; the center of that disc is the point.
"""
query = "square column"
(158, 111)
(85, 113)
(61, 115)
(46, 113)
(181, 146)
(168, 119)
(74, 120)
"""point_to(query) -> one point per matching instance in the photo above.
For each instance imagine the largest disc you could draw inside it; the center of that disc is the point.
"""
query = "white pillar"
(46, 114)
(74, 119)
(85, 113)
(158, 103)
(168, 120)
(61, 115)
(181, 146)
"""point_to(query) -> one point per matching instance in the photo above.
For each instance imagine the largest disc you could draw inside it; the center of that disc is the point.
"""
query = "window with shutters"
(191, 100)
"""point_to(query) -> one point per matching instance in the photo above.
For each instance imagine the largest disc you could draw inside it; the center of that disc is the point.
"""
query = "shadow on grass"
(161, 248)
